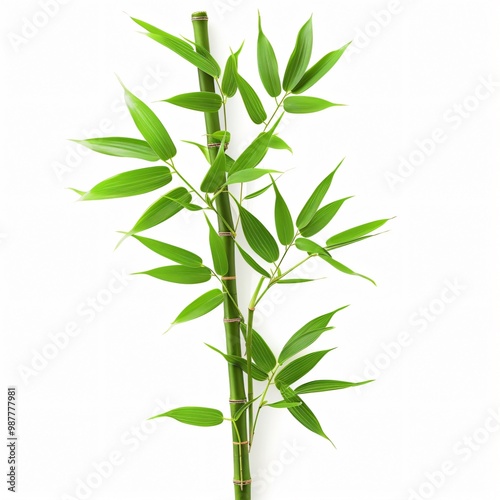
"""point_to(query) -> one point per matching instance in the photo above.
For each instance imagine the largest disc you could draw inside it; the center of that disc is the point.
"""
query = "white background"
(412, 69)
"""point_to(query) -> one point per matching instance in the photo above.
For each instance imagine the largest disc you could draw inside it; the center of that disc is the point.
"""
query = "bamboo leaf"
(180, 274)
(261, 352)
(221, 135)
(204, 61)
(268, 65)
(302, 104)
(150, 126)
(201, 306)
(243, 409)
(120, 146)
(240, 362)
(319, 70)
(357, 240)
(252, 263)
(322, 218)
(303, 413)
(249, 175)
(307, 335)
(310, 247)
(283, 219)
(313, 203)
(259, 238)
(277, 142)
(195, 415)
(299, 367)
(253, 154)
(161, 210)
(284, 404)
(229, 86)
(327, 385)
(294, 281)
(176, 254)
(208, 102)
(130, 183)
(202, 148)
(216, 175)
(257, 193)
(301, 55)
(355, 233)
(251, 100)
(344, 269)
(217, 248)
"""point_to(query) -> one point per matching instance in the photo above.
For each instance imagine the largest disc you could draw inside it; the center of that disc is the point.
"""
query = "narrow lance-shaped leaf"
(240, 362)
(208, 102)
(202, 148)
(296, 369)
(249, 175)
(303, 104)
(268, 65)
(150, 126)
(355, 232)
(216, 175)
(344, 269)
(217, 249)
(278, 143)
(229, 85)
(171, 252)
(307, 335)
(195, 415)
(182, 48)
(261, 352)
(242, 409)
(310, 247)
(255, 194)
(284, 404)
(319, 70)
(301, 55)
(180, 274)
(315, 200)
(252, 263)
(253, 154)
(251, 100)
(259, 238)
(130, 183)
(327, 385)
(283, 219)
(120, 146)
(302, 412)
(201, 306)
(322, 217)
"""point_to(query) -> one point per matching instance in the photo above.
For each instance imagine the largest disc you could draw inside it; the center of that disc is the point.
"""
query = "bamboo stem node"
(232, 320)
(237, 401)
(242, 482)
(199, 18)
(217, 145)
(225, 233)
(240, 442)
(228, 278)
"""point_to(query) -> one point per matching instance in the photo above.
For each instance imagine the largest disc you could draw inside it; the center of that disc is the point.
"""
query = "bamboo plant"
(252, 366)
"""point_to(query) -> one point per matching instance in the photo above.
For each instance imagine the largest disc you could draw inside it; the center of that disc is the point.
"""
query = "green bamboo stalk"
(233, 341)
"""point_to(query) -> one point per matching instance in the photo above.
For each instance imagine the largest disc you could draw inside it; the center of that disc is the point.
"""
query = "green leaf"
(253, 154)
(355, 232)
(303, 413)
(150, 126)
(322, 217)
(283, 219)
(130, 183)
(268, 65)
(251, 100)
(299, 105)
(327, 385)
(252, 263)
(180, 274)
(195, 415)
(241, 363)
(202, 148)
(217, 248)
(208, 102)
(221, 135)
(313, 203)
(204, 61)
(161, 210)
(294, 281)
(259, 238)
(307, 335)
(278, 143)
(357, 240)
(171, 252)
(201, 306)
(229, 86)
(344, 269)
(301, 55)
(261, 352)
(319, 70)
(299, 367)
(120, 146)
(216, 175)
(284, 404)
(310, 247)
(249, 175)
(242, 409)
(257, 193)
